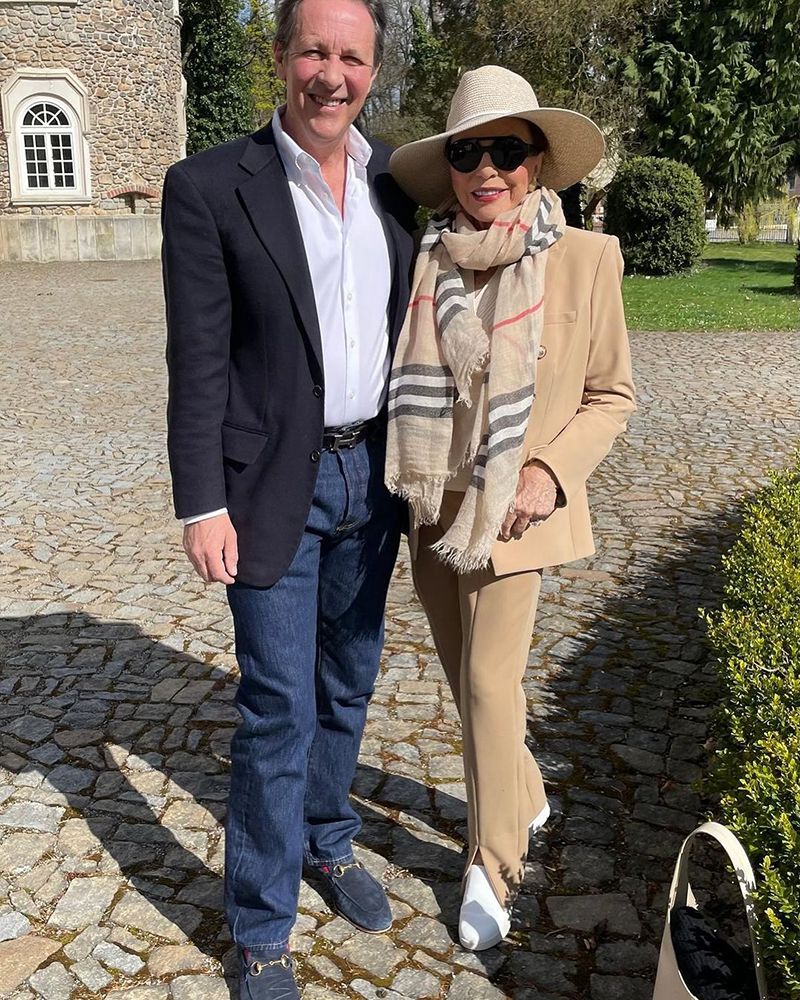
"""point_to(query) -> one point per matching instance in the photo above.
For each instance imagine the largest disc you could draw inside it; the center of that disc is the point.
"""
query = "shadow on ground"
(752, 266)
(619, 724)
(788, 289)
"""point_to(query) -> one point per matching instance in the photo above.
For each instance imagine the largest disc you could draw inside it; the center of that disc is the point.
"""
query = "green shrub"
(747, 225)
(797, 269)
(756, 640)
(657, 209)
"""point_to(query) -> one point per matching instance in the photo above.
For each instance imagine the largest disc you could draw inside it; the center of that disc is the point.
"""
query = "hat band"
(485, 117)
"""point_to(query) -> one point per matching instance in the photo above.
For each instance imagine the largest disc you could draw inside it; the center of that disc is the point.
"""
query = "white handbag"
(670, 984)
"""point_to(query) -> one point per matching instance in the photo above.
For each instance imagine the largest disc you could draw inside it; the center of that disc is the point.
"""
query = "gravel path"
(117, 674)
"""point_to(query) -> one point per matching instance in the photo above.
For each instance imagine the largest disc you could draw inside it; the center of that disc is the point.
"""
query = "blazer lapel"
(268, 202)
(391, 227)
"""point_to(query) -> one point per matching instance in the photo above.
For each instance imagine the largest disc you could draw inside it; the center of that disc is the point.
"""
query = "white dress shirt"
(351, 275)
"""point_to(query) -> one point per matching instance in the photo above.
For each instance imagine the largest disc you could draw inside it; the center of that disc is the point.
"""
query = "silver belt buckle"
(345, 441)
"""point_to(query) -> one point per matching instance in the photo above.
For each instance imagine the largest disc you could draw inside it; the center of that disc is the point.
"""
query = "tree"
(721, 83)
(381, 116)
(431, 76)
(218, 104)
(267, 90)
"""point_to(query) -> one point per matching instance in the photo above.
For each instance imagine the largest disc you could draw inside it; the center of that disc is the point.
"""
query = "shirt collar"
(296, 160)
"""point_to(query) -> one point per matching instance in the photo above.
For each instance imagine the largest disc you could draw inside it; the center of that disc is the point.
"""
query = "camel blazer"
(584, 396)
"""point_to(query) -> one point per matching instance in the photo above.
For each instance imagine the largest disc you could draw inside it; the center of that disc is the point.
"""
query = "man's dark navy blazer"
(246, 381)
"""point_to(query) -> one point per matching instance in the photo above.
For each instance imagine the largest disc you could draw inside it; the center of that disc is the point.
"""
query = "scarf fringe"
(424, 496)
(463, 560)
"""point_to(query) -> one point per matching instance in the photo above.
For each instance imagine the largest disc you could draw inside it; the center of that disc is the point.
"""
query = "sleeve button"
(317, 391)
(314, 456)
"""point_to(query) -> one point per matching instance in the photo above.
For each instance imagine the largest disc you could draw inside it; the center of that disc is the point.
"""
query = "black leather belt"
(348, 436)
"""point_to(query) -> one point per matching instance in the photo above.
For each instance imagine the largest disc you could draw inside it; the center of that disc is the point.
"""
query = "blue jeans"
(308, 650)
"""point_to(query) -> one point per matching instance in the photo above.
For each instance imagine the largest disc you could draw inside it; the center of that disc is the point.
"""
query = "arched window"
(48, 139)
(46, 112)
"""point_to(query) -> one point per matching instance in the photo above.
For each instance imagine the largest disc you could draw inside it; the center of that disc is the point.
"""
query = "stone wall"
(126, 54)
(43, 238)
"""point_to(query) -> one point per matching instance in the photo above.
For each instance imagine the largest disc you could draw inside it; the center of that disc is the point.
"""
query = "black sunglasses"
(507, 152)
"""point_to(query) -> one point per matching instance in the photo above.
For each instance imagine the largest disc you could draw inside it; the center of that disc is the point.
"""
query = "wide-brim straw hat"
(575, 144)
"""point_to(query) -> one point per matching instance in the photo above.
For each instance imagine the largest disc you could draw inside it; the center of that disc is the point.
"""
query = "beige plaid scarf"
(444, 359)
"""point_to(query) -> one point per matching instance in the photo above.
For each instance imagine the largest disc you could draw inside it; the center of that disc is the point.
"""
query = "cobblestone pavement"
(118, 674)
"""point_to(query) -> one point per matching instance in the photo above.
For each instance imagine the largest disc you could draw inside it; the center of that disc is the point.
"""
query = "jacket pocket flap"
(551, 319)
(241, 445)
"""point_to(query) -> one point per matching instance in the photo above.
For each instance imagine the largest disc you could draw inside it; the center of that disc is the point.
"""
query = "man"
(286, 260)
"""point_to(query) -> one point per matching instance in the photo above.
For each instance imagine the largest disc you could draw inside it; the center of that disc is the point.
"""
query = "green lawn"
(734, 288)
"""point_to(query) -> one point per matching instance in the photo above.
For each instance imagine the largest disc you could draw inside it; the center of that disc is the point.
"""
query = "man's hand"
(537, 490)
(211, 547)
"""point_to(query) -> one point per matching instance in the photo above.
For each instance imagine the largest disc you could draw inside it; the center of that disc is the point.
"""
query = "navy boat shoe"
(263, 978)
(357, 896)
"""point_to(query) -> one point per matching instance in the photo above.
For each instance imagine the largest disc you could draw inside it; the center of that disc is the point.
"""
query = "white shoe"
(539, 821)
(482, 922)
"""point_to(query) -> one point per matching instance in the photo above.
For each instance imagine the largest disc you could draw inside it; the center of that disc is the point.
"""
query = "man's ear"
(375, 74)
(279, 56)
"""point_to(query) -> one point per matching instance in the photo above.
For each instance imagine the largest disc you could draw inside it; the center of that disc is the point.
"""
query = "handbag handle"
(744, 875)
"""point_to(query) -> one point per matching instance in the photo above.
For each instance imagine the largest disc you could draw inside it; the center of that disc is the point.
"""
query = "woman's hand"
(537, 491)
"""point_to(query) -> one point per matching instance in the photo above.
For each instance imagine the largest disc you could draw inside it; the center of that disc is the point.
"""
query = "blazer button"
(542, 351)
(317, 391)
(314, 456)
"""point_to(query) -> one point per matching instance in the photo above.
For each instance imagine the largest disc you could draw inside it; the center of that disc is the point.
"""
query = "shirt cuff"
(204, 517)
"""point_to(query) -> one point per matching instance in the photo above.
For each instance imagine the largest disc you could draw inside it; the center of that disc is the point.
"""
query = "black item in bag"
(710, 965)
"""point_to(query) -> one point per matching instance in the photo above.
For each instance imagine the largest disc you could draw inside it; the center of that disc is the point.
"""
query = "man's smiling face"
(328, 71)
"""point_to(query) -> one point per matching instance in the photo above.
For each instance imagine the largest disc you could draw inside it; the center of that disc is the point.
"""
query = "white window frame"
(48, 132)
(60, 88)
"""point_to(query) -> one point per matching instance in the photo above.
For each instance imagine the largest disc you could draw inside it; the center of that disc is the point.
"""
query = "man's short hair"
(286, 22)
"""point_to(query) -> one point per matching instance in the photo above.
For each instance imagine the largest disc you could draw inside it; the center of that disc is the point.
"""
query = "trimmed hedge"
(657, 209)
(756, 639)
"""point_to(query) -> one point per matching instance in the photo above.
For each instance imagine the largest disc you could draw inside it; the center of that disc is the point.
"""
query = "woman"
(511, 381)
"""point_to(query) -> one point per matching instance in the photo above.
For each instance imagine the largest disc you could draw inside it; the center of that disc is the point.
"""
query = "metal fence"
(766, 234)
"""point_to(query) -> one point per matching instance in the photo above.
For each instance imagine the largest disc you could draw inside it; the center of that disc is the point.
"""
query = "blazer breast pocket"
(557, 336)
(242, 445)
(560, 319)
(554, 352)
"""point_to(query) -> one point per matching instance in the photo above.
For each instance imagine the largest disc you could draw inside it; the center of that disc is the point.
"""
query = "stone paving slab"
(117, 676)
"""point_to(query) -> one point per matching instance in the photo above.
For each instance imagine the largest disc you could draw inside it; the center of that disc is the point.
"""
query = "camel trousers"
(481, 625)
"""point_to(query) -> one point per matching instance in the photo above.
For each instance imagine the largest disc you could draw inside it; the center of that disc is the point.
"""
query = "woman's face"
(486, 192)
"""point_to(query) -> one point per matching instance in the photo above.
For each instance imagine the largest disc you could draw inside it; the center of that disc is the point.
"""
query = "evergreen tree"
(721, 82)
(218, 104)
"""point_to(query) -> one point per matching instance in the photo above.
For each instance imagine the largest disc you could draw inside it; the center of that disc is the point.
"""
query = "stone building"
(92, 111)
